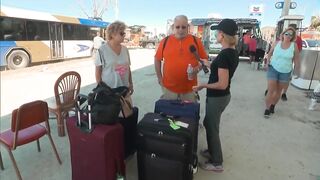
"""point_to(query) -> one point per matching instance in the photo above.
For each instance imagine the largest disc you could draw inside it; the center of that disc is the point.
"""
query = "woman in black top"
(218, 91)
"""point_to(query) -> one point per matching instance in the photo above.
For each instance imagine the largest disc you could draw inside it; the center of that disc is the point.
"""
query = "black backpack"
(105, 104)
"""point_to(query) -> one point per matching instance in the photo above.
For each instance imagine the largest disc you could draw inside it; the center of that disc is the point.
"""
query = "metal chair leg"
(1, 162)
(14, 164)
(38, 145)
(54, 148)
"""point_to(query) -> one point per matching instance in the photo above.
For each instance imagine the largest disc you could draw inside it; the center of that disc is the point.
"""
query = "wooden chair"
(28, 123)
(66, 90)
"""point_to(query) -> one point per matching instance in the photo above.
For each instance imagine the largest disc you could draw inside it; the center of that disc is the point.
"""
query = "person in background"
(113, 60)
(97, 42)
(252, 48)
(218, 92)
(280, 58)
(176, 56)
(246, 42)
(299, 45)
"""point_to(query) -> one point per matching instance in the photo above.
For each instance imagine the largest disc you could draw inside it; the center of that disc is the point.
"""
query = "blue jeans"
(273, 74)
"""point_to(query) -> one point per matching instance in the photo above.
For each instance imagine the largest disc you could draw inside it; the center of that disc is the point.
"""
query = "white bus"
(28, 37)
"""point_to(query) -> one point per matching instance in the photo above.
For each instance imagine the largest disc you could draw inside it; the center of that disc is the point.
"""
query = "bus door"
(56, 40)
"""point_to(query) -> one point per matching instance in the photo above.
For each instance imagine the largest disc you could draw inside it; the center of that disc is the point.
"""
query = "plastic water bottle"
(120, 177)
(190, 72)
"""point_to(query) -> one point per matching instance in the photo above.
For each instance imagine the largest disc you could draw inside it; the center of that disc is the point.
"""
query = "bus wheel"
(18, 59)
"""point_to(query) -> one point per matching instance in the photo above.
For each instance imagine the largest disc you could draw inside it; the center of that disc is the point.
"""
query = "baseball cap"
(227, 26)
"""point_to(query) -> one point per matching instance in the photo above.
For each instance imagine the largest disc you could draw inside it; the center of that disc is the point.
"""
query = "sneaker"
(272, 108)
(284, 97)
(208, 166)
(205, 153)
(267, 113)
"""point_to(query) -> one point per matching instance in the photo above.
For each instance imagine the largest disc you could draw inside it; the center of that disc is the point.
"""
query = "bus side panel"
(73, 49)
(39, 50)
(5, 47)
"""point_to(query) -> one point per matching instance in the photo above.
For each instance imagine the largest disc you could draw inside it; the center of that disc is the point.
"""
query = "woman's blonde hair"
(231, 40)
(115, 27)
(294, 34)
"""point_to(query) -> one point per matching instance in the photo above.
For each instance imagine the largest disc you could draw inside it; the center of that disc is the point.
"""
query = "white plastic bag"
(315, 98)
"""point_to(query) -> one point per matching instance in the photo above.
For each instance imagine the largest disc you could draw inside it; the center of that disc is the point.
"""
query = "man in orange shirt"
(174, 52)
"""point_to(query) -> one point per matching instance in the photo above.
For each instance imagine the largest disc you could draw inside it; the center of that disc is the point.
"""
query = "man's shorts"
(167, 94)
(252, 53)
(273, 74)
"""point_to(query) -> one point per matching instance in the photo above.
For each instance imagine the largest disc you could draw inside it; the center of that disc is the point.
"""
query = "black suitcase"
(165, 153)
(178, 108)
(129, 125)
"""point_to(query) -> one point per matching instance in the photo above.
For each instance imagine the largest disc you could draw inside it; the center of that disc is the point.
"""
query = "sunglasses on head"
(122, 33)
(182, 27)
(288, 34)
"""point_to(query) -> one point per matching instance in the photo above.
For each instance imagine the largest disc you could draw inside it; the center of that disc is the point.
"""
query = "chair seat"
(25, 136)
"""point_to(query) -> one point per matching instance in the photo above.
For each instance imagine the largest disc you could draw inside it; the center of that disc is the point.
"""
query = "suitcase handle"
(181, 103)
(84, 126)
(162, 114)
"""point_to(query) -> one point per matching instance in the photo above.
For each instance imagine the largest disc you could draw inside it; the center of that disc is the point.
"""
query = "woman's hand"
(197, 88)
(131, 88)
(160, 81)
(207, 63)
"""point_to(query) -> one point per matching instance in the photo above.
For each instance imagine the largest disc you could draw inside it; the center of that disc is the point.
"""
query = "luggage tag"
(182, 124)
(173, 125)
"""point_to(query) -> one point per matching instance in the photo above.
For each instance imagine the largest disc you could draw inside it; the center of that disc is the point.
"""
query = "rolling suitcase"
(96, 152)
(129, 125)
(178, 108)
(163, 151)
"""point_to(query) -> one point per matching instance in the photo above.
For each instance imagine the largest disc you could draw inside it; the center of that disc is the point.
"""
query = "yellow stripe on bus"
(39, 51)
(67, 19)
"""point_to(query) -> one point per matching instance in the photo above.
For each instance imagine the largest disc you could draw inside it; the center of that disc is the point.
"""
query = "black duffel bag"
(105, 105)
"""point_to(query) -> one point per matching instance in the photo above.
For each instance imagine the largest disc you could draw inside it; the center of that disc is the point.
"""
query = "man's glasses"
(122, 33)
(182, 27)
(288, 34)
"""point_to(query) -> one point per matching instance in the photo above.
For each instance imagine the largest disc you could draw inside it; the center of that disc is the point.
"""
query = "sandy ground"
(284, 147)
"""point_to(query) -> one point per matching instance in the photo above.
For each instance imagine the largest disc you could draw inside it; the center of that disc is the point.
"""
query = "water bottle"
(119, 177)
(190, 72)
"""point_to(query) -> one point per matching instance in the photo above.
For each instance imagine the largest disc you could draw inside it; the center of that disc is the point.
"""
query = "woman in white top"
(113, 60)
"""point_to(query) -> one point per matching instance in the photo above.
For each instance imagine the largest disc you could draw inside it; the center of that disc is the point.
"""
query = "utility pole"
(286, 7)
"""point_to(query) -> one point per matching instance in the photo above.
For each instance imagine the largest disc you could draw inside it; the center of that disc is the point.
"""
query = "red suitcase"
(97, 155)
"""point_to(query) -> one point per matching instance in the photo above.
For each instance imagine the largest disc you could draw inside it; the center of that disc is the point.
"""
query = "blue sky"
(154, 14)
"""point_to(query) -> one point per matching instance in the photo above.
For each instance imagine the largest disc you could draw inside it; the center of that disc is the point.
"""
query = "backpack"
(166, 39)
(105, 104)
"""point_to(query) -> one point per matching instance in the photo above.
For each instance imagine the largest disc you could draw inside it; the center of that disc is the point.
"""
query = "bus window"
(76, 32)
(12, 29)
(37, 30)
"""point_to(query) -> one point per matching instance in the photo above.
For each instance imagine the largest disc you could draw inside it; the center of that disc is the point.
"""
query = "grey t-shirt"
(115, 68)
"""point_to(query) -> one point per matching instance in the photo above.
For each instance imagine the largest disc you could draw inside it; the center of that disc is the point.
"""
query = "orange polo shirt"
(176, 57)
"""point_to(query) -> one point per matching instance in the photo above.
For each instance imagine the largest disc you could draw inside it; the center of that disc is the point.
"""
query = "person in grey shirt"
(113, 60)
